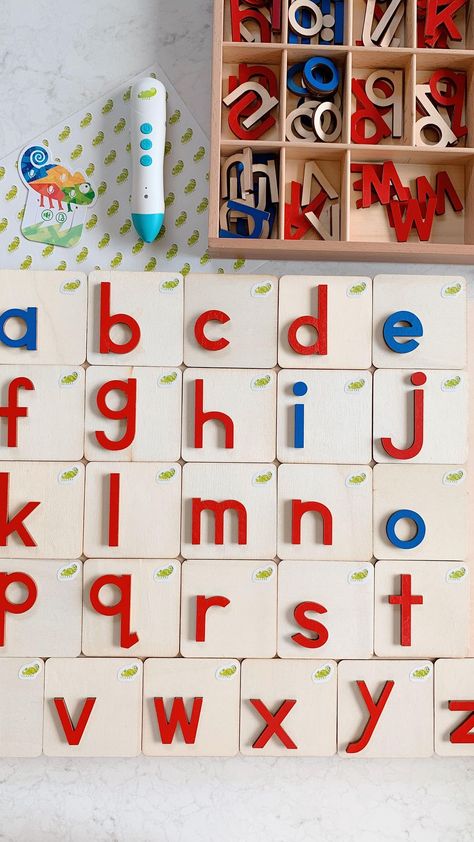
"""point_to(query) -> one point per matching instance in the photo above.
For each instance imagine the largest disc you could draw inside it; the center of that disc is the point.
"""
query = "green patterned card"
(91, 149)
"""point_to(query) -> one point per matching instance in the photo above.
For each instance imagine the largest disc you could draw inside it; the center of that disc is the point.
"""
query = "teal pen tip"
(148, 225)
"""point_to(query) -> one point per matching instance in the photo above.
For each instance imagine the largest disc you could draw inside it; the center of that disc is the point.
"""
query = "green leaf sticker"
(261, 290)
(354, 386)
(69, 475)
(168, 379)
(356, 480)
(261, 382)
(359, 576)
(70, 286)
(322, 674)
(456, 574)
(454, 477)
(69, 379)
(451, 290)
(166, 476)
(451, 383)
(263, 574)
(356, 290)
(149, 93)
(227, 672)
(128, 672)
(163, 574)
(68, 572)
(170, 285)
(263, 478)
(29, 671)
(421, 673)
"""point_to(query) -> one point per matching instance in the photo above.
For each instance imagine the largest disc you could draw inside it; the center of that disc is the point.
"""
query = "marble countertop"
(55, 58)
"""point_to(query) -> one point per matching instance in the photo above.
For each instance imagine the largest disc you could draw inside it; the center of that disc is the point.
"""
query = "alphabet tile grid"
(233, 515)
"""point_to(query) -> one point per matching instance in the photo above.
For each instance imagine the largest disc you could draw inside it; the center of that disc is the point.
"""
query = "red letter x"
(273, 720)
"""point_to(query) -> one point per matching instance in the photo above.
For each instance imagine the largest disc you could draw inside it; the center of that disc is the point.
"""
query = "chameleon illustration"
(54, 182)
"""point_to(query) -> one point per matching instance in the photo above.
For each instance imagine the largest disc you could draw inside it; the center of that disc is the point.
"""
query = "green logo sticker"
(162, 574)
(69, 379)
(359, 576)
(167, 380)
(30, 671)
(457, 574)
(68, 572)
(69, 475)
(128, 672)
(451, 290)
(354, 386)
(454, 477)
(227, 671)
(261, 290)
(356, 290)
(322, 674)
(69, 287)
(166, 476)
(421, 673)
(356, 480)
(263, 574)
(263, 478)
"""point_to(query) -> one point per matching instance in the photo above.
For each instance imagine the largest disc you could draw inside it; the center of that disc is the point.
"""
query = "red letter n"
(299, 509)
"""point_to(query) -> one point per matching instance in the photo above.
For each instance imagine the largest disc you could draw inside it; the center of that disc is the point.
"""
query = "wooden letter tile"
(432, 321)
(133, 414)
(325, 512)
(230, 321)
(142, 318)
(191, 707)
(454, 707)
(148, 593)
(229, 511)
(437, 626)
(93, 707)
(385, 708)
(229, 415)
(41, 509)
(328, 319)
(324, 416)
(423, 414)
(21, 707)
(288, 708)
(51, 329)
(52, 626)
(52, 427)
(132, 510)
(325, 609)
(424, 510)
(243, 627)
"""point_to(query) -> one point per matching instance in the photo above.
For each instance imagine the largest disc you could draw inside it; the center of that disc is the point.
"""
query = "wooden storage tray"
(452, 237)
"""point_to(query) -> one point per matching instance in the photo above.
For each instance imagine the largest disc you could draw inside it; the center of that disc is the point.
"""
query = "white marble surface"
(56, 57)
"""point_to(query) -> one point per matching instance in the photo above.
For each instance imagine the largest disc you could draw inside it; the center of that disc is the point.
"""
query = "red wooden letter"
(218, 509)
(12, 412)
(107, 322)
(15, 524)
(7, 607)
(121, 608)
(375, 710)
(200, 418)
(298, 509)
(273, 726)
(127, 413)
(74, 734)
(416, 216)
(305, 622)
(463, 733)
(405, 600)
(203, 603)
(237, 16)
(178, 716)
(201, 338)
(417, 379)
(320, 325)
(114, 509)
